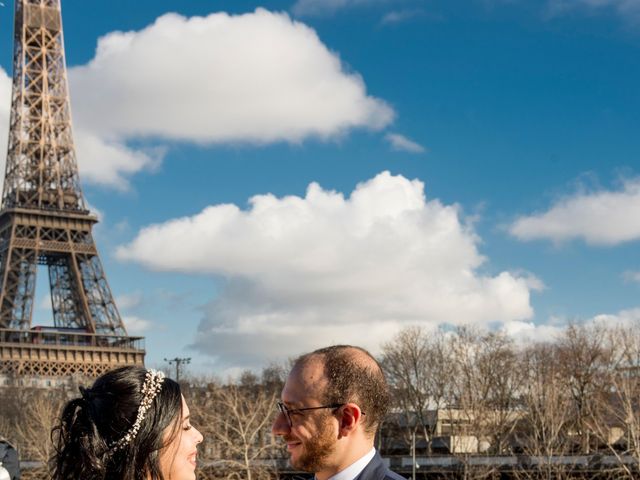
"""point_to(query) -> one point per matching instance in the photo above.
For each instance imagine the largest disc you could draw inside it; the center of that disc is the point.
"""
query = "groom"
(332, 403)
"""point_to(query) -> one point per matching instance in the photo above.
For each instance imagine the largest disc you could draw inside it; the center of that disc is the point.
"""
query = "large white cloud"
(258, 77)
(102, 161)
(110, 162)
(605, 217)
(305, 271)
(5, 108)
(254, 78)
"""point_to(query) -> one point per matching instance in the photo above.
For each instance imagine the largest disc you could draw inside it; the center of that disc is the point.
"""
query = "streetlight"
(178, 362)
(414, 464)
(413, 454)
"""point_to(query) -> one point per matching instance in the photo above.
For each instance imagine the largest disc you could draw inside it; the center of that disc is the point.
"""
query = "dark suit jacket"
(377, 470)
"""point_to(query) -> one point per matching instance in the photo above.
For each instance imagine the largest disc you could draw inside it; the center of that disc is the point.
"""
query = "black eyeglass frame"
(286, 411)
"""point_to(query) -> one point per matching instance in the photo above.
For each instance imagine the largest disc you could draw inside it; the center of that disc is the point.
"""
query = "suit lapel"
(375, 469)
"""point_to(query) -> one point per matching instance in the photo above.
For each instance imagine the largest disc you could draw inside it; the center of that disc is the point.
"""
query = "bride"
(132, 424)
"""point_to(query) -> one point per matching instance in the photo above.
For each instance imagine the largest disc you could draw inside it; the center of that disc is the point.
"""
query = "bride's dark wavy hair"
(104, 413)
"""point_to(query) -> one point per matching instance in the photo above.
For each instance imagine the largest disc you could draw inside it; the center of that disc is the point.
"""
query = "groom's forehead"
(306, 381)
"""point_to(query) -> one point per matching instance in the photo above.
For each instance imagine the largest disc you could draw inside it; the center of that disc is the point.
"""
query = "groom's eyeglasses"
(287, 412)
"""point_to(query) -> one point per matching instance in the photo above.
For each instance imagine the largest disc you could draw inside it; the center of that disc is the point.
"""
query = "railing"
(454, 462)
(62, 338)
(594, 466)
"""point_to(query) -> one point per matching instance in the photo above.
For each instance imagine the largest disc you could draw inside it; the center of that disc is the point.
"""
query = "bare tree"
(27, 416)
(39, 414)
(618, 425)
(487, 382)
(235, 420)
(8, 412)
(546, 402)
(586, 361)
(418, 368)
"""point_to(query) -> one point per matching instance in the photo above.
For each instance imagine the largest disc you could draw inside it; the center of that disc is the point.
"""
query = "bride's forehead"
(185, 408)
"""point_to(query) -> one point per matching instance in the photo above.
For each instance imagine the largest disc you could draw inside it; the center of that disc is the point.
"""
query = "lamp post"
(178, 362)
(413, 454)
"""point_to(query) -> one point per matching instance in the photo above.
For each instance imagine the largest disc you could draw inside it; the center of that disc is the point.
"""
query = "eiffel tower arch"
(44, 221)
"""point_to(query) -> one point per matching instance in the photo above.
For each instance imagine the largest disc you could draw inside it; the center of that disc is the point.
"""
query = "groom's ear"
(349, 415)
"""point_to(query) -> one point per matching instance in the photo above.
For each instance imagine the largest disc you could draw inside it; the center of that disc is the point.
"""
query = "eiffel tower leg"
(98, 295)
(18, 271)
(66, 302)
(80, 295)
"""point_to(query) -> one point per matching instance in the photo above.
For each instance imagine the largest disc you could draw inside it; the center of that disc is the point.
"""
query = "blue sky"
(272, 177)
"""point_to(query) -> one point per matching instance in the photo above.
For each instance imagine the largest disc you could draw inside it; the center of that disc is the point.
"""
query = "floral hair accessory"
(150, 388)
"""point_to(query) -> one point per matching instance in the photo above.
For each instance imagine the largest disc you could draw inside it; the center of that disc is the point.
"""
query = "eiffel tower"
(44, 221)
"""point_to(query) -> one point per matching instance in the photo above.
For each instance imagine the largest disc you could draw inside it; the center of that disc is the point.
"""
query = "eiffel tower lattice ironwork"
(44, 221)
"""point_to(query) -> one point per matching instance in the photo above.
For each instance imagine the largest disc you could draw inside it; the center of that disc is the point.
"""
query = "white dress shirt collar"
(353, 470)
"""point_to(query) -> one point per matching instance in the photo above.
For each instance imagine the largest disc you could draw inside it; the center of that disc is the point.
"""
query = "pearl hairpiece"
(150, 388)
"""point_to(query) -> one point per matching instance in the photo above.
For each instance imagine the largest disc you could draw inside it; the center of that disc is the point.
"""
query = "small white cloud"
(400, 16)
(402, 143)
(129, 301)
(122, 226)
(631, 276)
(324, 268)
(136, 325)
(623, 318)
(528, 332)
(325, 7)
(99, 214)
(525, 332)
(629, 10)
(599, 218)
